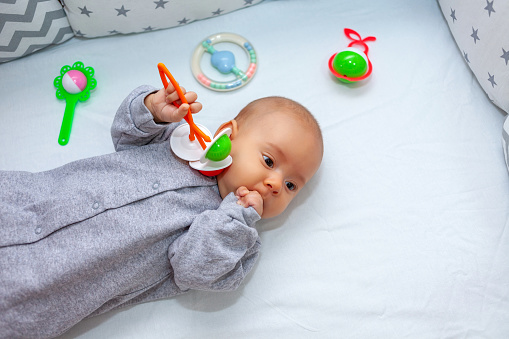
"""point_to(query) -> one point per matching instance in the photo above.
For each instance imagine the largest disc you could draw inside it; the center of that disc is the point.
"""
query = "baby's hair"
(284, 104)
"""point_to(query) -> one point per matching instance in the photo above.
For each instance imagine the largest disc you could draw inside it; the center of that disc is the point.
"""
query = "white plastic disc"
(211, 165)
(183, 147)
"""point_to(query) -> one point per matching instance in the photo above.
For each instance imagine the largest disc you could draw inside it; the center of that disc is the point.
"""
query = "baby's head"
(277, 147)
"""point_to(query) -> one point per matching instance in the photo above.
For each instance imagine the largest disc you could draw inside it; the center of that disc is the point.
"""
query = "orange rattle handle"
(194, 131)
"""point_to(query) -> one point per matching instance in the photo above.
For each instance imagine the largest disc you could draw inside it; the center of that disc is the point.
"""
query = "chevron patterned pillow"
(27, 26)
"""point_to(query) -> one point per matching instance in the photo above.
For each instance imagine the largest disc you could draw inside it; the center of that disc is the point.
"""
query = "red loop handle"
(349, 32)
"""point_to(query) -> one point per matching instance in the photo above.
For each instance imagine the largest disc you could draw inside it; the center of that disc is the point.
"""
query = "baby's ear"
(231, 124)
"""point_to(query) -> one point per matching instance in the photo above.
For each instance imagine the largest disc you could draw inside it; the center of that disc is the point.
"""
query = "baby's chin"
(270, 214)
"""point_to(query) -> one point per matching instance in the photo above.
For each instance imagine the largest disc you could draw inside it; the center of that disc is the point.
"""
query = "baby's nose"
(273, 185)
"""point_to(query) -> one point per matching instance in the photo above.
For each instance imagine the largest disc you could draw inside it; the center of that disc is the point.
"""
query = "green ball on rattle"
(220, 149)
(350, 63)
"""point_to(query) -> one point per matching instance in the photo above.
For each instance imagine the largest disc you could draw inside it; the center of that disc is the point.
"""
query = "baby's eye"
(291, 186)
(268, 161)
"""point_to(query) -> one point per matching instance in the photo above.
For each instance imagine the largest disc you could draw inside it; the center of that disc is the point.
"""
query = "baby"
(139, 224)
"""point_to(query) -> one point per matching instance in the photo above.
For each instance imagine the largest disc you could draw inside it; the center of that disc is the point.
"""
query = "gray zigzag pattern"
(61, 32)
(27, 17)
(19, 35)
(33, 48)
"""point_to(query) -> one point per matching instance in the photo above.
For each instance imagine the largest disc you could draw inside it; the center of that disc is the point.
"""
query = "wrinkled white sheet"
(401, 234)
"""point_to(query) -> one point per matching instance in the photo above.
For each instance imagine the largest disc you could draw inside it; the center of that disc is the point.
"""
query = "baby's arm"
(137, 124)
(219, 249)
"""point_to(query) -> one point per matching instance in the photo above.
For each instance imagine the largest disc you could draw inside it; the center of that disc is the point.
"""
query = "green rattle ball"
(350, 64)
(220, 149)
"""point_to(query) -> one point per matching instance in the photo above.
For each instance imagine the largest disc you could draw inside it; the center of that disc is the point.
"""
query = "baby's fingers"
(241, 192)
(196, 107)
(170, 89)
(252, 198)
(181, 112)
(172, 95)
(191, 97)
(183, 109)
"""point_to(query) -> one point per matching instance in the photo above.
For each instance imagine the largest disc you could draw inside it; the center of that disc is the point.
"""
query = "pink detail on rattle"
(203, 79)
(251, 70)
(74, 81)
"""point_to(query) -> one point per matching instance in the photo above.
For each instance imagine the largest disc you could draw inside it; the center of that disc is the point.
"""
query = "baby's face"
(275, 155)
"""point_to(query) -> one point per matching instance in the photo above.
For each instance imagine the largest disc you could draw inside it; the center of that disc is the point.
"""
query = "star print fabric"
(96, 18)
(480, 29)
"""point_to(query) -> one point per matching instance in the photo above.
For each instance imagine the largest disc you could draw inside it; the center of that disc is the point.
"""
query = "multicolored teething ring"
(224, 62)
(73, 84)
(192, 142)
(357, 40)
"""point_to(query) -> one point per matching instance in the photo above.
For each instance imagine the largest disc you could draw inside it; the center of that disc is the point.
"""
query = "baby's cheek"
(281, 206)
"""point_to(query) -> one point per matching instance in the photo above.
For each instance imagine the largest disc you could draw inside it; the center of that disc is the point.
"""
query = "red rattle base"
(211, 173)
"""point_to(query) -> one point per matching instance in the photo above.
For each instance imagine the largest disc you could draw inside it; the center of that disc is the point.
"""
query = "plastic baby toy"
(352, 64)
(224, 62)
(193, 143)
(73, 84)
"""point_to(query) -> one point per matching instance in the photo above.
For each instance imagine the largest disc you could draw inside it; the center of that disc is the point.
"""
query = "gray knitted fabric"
(115, 230)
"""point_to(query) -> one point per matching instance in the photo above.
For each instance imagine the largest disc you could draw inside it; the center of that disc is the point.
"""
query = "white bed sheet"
(401, 234)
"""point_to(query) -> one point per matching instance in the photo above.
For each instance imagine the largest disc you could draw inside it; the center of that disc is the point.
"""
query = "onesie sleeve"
(219, 249)
(134, 125)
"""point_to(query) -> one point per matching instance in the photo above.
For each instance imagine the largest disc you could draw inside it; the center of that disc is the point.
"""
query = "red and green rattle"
(352, 64)
(73, 84)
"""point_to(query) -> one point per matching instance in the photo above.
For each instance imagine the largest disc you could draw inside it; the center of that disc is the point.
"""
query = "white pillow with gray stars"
(96, 18)
(481, 31)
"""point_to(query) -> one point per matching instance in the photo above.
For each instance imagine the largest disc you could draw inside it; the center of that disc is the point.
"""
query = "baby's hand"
(249, 198)
(160, 104)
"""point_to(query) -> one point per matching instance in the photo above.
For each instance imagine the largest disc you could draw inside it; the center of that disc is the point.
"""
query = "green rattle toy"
(73, 84)
(216, 157)
(209, 161)
(192, 142)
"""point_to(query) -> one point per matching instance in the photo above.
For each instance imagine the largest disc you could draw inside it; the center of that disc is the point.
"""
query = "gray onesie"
(115, 230)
